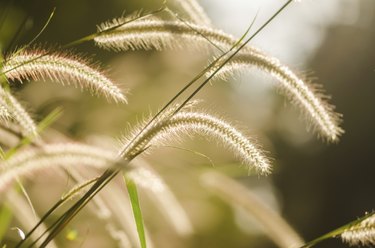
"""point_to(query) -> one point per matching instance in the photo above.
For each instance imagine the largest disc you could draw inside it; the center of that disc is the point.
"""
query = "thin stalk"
(109, 174)
(189, 84)
(39, 33)
(50, 211)
(72, 212)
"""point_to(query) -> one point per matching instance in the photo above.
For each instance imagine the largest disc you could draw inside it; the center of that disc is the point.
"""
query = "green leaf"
(133, 195)
(6, 216)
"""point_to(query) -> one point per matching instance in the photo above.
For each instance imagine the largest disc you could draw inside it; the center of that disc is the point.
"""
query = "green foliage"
(137, 212)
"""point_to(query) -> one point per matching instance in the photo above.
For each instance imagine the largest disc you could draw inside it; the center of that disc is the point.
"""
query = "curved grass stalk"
(60, 67)
(63, 155)
(162, 195)
(158, 34)
(276, 228)
(184, 122)
(28, 161)
(101, 209)
(36, 36)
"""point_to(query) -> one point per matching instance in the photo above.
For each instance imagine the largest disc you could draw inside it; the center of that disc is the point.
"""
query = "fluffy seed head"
(362, 233)
(313, 104)
(14, 110)
(66, 69)
(28, 161)
(188, 122)
(152, 33)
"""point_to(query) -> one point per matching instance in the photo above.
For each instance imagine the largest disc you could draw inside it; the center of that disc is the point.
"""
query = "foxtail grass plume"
(188, 122)
(321, 114)
(39, 64)
(80, 157)
(362, 233)
(28, 161)
(16, 112)
(151, 33)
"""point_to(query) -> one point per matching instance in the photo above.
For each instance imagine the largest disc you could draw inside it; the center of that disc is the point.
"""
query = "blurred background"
(315, 186)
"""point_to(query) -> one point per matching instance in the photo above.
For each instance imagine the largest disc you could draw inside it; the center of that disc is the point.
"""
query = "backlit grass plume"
(39, 64)
(171, 124)
(362, 233)
(313, 104)
(28, 161)
(189, 122)
(152, 33)
(12, 109)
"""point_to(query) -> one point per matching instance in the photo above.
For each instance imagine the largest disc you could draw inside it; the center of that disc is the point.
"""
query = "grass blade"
(137, 212)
